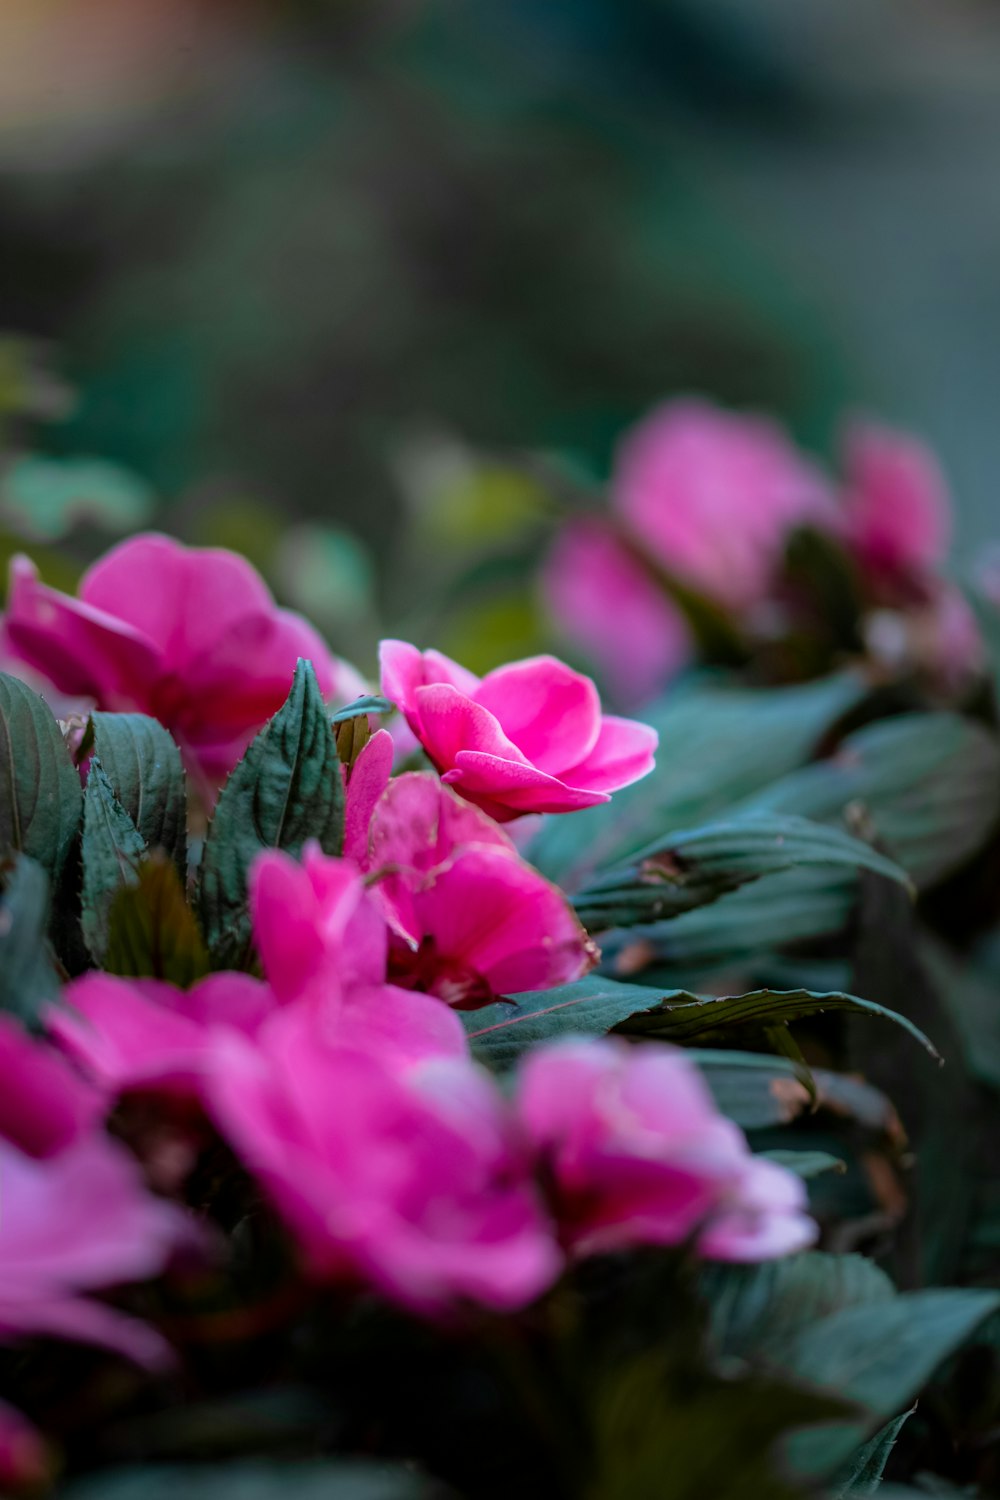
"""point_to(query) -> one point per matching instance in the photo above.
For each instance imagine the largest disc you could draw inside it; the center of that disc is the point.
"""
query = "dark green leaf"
(862, 1475)
(807, 1164)
(370, 705)
(256, 1480)
(27, 977)
(758, 1091)
(152, 932)
(286, 789)
(112, 852)
(501, 1033)
(143, 765)
(40, 793)
(693, 868)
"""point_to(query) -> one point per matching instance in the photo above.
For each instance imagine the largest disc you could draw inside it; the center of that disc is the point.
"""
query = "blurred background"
(365, 287)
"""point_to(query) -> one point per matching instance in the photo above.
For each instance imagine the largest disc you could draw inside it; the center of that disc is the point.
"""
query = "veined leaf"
(501, 1033)
(28, 978)
(695, 867)
(152, 932)
(757, 1091)
(143, 766)
(862, 1475)
(112, 851)
(40, 792)
(286, 789)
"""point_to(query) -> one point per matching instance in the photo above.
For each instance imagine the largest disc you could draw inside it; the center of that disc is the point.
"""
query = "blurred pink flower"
(714, 495)
(897, 510)
(471, 919)
(44, 1104)
(528, 737)
(189, 635)
(637, 1153)
(413, 1183)
(614, 611)
(79, 1222)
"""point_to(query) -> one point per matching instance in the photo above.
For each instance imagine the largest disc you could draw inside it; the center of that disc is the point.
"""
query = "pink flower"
(79, 1222)
(528, 737)
(413, 1183)
(189, 635)
(324, 945)
(471, 919)
(44, 1104)
(897, 507)
(614, 611)
(637, 1153)
(713, 496)
(141, 1034)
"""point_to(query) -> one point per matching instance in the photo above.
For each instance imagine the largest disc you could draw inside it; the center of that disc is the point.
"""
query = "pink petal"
(126, 1034)
(625, 752)
(449, 722)
(504, 788)
(369, 778)
(84, 1322)
(404, 669)
(418, 823)
(765, 1217)
(550, 712)
(44, 1104)
(79, 648)
(898, 506)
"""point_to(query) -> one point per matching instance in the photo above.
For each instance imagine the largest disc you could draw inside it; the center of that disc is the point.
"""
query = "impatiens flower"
(611, 608)
(413, 1183)
(44, 1104)
(896, 502)
(80, 1222)
(189, 635)
(713, 496)
(528, 737)
(637, 1154)
(470, 918)
(324, 945)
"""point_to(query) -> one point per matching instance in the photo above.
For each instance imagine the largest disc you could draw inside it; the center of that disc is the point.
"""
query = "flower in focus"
(75, 1223)
(528, 737)
(471, 920)
(189, 635)
(610, 607)
(713, 495)
(412, 1182)
(897, 511)
(44, 1105)
(637, 1153)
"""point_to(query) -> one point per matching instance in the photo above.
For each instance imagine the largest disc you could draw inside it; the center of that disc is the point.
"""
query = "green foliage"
(143, 767)
(27, 977)
(257, 1480)
(40, 794)
(152, 931)
(112, 851)
(286, 789)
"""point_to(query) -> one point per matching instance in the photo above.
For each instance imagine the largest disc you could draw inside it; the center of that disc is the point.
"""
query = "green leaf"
(373, 704)
(756, 1310)
(249, 1479)
(112, 852)
(143, 765)
(152, 932)
(286, 789)
(500, 1034)
(862, 1474)
(929, 784)
(693, 868)
(718, 745)
(28, 980)
(806, 1164)
(757, 1091)
(40, 793)
(879, 1355)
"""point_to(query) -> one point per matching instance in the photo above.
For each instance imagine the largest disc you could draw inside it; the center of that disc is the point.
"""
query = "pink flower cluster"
(709, 499)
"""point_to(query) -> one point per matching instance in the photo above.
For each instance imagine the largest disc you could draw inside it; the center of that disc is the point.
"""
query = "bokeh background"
(367, 288)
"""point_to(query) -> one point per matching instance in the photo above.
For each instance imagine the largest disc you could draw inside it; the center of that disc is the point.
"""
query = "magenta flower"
(897, 507)
(413, 1183)
(713, 496)
(612, 609)
(528, 737)
(44, 1105)
(637, 1154)
(471, 920)
(324, 945)
(76, 1223)
(189, 635)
